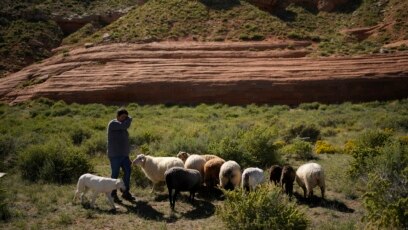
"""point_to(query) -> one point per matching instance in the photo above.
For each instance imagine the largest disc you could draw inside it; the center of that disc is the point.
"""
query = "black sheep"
(180, 179)
(275, 174)
(287, 179)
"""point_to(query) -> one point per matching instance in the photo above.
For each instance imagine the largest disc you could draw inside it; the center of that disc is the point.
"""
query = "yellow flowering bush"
(324, 147)
(350, 146)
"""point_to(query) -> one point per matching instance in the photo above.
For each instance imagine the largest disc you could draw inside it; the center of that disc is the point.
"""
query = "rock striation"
(193, 73)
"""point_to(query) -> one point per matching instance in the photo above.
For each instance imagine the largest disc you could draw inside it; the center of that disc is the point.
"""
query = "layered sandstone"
(192, 73)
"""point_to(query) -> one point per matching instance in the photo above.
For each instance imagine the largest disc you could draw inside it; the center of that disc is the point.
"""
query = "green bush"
(229, 148)
(386, 199)
(7, 150)
(140, 178)
(264, 208)
(259, 144)
(4, 209)
(308, 132)
(299, 150)
(96, 144)
(365, 149)
(53, 162)
(79, 135)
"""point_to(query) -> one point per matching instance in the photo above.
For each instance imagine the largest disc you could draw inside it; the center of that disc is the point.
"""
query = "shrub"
(264, 208)
(4, 209)
(96, 144)
(7, 150)
(230, 148)
(78, 135)
(309, 106)
(349, 146)
(140, 178)
(298, 149)
(308, 132)
(324, 147)
(53, 162)
(366, 148)
(386, 198)
(403, 140)
(258, 143)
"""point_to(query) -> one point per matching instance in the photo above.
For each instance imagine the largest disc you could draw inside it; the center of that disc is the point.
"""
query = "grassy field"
(251, 135)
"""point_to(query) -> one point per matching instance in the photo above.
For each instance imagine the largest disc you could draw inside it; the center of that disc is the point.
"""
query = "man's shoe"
(127, 196)
(115, 198)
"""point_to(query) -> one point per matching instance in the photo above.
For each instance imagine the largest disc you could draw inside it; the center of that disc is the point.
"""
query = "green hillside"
(239, 20)
(27, 33)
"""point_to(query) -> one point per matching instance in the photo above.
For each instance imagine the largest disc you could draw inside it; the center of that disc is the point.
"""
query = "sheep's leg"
(154, 187)
(175, 197)
(309, 191)
(76, 196)
(192, 195)
(110, 199)
(171, 198)
(289, 189)
(93, 199)
(304, 191)
(322, 191)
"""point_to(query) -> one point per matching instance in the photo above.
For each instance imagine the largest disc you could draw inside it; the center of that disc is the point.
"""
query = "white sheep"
(155, 167)
(97, 185)
(251, 177)
(196, 162)
(309, 176)
(230, 175)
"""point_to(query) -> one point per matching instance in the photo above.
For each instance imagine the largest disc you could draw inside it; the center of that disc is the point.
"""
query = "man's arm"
(116, 125)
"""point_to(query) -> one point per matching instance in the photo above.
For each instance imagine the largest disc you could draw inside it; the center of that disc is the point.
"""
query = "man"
(118, 151)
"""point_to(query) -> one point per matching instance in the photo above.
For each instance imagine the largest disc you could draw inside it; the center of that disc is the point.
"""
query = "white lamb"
(155, 167)
(98, 185)
(196, 162)
(251, 177)
(230, 175)
(309, 176)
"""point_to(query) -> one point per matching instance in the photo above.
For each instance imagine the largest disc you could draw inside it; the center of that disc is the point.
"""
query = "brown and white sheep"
(212, 171)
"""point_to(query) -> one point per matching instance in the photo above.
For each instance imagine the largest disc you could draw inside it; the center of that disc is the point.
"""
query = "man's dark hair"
(121, 111)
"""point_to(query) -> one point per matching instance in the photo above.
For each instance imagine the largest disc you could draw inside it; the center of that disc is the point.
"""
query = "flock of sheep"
(188, 172)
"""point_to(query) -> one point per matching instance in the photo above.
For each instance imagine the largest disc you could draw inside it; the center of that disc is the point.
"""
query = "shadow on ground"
(210, 194)
(324, 203)
(200, 209)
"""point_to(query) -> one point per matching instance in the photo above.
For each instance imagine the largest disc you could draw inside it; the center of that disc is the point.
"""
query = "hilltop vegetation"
(237, 20)
(27, 32)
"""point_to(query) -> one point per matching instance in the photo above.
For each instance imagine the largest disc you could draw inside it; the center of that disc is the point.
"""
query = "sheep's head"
(183, 155)
(120, 185)
(140, 160)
